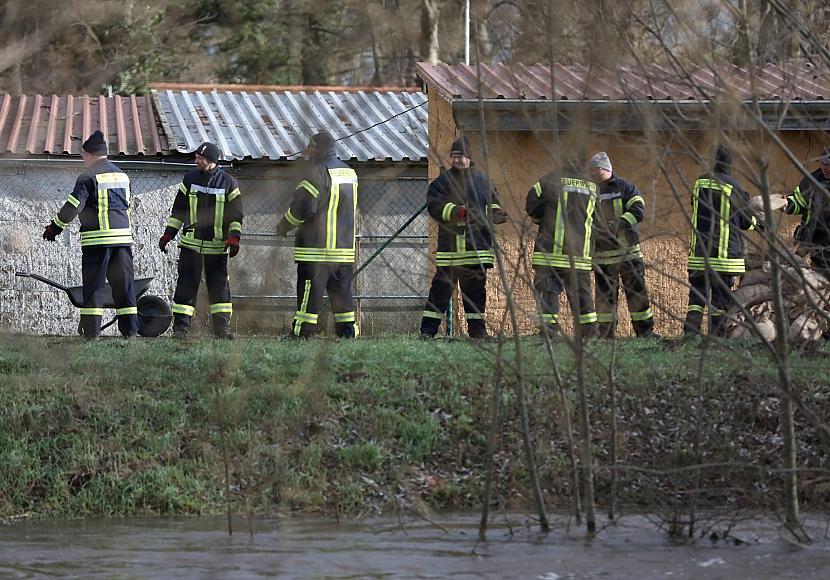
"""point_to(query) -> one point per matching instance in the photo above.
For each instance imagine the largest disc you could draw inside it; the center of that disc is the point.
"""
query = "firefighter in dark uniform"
(563, 207)
(811, 200)
(465, 204)
(720, 213)
(101, 200)
(209, 206)
(616, 254)
(323, 210)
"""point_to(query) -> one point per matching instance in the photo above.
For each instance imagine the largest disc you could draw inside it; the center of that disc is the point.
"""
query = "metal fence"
(390, 288)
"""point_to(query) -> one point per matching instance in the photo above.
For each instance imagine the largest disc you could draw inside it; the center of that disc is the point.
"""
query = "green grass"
(118, 428)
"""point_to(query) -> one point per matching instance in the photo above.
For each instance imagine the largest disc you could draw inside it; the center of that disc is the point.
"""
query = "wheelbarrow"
(154, 314)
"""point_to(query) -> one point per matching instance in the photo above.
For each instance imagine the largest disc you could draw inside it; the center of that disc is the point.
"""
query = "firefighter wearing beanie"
(617, 256)
(101, 201)
(720, 214)
(208, 208)
(465, 204)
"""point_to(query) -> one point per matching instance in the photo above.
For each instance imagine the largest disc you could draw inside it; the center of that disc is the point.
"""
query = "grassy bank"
(357, 427)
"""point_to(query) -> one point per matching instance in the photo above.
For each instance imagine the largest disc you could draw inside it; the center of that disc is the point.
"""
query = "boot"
(692, 324)
(221, 327)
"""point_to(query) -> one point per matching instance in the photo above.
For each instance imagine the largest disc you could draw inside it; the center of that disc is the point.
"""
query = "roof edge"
(170, 86)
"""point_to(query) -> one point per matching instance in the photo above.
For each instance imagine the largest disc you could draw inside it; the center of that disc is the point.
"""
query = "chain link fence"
(390, 290)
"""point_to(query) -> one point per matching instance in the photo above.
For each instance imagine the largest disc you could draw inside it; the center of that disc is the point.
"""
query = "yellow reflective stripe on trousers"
(92, 311)
(475, 316)
(218, 216)
(589, 318)
(301, 316)
(432, 314)
(642, 315)
(344, 316)
(185, 309)
(725, 265)
(606, 317)
(221, 308)
(550, 318)
(695, 308)
(127, 310)
(117, 236)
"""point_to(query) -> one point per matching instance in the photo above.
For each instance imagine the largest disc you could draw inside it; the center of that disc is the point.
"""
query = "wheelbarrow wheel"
(154, 316)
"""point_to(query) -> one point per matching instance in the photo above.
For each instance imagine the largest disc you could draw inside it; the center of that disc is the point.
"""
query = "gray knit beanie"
(600, 160)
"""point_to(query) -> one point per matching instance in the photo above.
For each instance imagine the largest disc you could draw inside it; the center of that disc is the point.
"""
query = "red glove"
(462, 212)
(51, 232)
(163, 241)
(232, 246)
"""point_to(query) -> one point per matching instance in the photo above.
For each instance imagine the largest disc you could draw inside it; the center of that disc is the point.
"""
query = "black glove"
(284, 227)
(51, 232)
(499, 216)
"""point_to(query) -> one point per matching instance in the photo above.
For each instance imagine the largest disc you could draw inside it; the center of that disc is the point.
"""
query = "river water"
(304, 547)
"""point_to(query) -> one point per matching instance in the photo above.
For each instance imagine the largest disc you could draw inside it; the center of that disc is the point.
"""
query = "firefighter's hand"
(499, 216)
(51, 232)
(283, 227)
(232, 246)
(163, 241)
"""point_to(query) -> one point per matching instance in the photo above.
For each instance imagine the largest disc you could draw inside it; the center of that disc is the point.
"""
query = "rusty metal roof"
(653, 82)
(58, 125)
(275, 122)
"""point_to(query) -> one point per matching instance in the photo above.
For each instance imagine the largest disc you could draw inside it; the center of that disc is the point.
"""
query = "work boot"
(179, 333)
(692, 324)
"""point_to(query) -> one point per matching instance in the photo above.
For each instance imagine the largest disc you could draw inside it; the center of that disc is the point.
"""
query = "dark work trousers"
(548, 284)
(473, 283)
(113, 264)
(215, 267)
(708, 289)
(313, 280)
(607, 279)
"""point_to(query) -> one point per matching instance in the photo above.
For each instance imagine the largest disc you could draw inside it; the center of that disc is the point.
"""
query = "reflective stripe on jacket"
(324, 209)
(101, 201)
(620, 209)
(209, 203)
(564, 209)
(720, 211)
(464, 241)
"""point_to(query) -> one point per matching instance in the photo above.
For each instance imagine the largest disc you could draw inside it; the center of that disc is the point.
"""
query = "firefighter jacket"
(564, 209)
(468, 240)
(324, 209)
(209, 205)
(619, 210)
(720, 211)
(813, 205)
(101, 200)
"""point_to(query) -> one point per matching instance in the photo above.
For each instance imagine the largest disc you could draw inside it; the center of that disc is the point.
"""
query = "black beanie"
(209, 151)
(322, 141)
(723, 157)
(461, 145)
(95, 145)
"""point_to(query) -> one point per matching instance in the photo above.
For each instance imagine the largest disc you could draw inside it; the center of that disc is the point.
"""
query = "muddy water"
(386, 548)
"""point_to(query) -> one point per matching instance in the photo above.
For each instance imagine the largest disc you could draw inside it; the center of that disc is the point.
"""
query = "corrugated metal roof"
(654, 82)
(58, 125)
(276, 124)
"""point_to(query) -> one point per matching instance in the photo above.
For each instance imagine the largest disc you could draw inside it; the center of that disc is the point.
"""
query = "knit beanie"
(825, 155)
(462, 146)
(322, 141)
(723, 158)
(95, 145)
(209, 151)
(600, 160)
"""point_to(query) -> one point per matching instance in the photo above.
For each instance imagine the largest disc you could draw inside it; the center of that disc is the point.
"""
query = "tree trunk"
(429, 31)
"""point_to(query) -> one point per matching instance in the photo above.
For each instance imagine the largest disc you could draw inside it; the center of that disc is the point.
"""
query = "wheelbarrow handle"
(42, 279)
